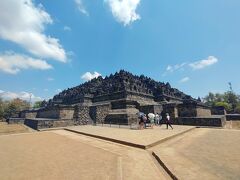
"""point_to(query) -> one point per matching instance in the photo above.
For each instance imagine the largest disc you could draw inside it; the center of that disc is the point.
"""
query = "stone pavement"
(202, 154)
(185, 153)
(137, 138)
(65, 155)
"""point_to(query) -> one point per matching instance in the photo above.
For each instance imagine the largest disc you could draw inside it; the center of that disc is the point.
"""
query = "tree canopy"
(11, 108)
(230, 100)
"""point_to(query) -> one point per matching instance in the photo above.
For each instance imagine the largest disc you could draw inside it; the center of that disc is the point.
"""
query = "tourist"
(156, 119)
(168, 123)
(152, 122)
(151, 118)
(141, 123)
(160, 120)
(145, 121)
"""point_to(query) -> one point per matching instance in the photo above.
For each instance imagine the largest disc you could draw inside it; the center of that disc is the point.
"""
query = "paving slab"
(51, 156)
(135, 163)
(137, 138)
(203, 153)
(65, 155)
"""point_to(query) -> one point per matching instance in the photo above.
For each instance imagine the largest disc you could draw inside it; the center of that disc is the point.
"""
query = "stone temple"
(117, 99)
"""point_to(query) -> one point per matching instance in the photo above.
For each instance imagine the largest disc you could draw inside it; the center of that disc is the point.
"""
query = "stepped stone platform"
(117, 99)
(143, 139)
(42, 123)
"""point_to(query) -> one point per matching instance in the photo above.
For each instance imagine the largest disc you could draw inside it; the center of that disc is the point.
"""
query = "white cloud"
(67, 28)
(194, 65)
(50, 79)
(185, 79)
(1, 91)
(88, 76)
(23, 22)
(58, 90)
(124, 11)
(22, 95)
(12, 63)
(81, 7)
(203, 63)
(175, 67)
(169, 68)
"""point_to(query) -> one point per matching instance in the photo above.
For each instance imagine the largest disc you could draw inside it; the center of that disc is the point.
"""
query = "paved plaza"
(143, 138)
(65, 155)
(202, 154)
(185, 152)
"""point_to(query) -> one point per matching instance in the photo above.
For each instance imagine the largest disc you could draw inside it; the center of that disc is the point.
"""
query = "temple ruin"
(117, 99)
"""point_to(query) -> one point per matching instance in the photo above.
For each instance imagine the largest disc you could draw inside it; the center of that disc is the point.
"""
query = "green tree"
(225, 105)
(1, 109)
(232, 99)
(210, 99)
(237, 109)
(219, 97)
(37, 104)
(229, 100)
(13, 107)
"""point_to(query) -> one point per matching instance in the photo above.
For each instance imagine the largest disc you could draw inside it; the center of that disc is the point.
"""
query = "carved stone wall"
(15, 120)
(28, 114)
(98, 113)
(140, 98)
(203, 112)
(109, 97)
(219, 121)
(31, 115)
(123, 112)
(151, 109)
(56, 112)
(220, 110)
(47, 123)
(51, 113)
(171, 109)
(193, 110)
(82, 114)
(233, 117)
(66, 113)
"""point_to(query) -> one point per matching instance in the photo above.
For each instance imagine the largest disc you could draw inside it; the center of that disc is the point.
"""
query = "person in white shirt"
(168, 119)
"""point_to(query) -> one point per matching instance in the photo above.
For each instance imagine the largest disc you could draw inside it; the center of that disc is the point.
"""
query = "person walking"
(160, 120)
(141, 123)
(156, 119)
(145, 121)
(151, 119)
(168, 123)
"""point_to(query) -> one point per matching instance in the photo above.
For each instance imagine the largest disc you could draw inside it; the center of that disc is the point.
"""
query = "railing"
(117, 125)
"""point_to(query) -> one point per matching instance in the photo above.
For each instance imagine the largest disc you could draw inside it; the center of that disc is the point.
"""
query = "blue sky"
(47, 46)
